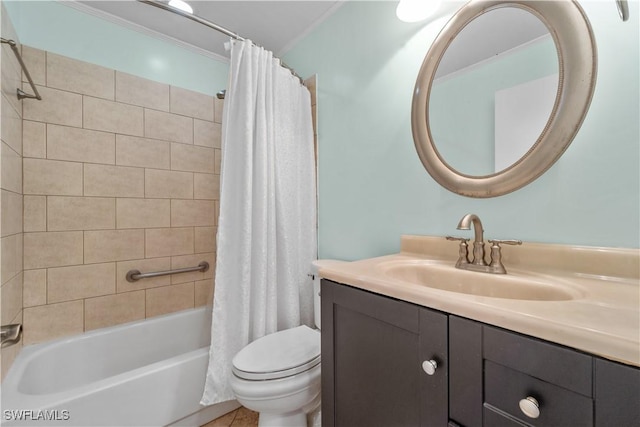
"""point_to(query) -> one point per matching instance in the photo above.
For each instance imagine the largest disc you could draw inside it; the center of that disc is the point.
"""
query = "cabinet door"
(617, 394)
(372, 353)
(465, 372)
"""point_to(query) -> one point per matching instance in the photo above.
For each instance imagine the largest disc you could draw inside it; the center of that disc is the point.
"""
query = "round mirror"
(501, 94)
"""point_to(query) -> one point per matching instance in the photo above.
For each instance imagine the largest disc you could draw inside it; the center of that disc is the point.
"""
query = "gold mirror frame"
(577, 57)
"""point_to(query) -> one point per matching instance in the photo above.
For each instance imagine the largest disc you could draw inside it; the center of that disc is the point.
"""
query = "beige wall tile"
(11, 213)
(314, 120)
(207, 134)
(52, 249)
(143, 213)
(218, 162)
(48, 322)
(35, 213)
(35, 287)
(167, 126)
(168, 184)
(143, 152)
(80, 145)
(11, 299)
(10, 76)
(169, 299)
(311, 84)
(205, 239)
(11, 129)
(110, 116)
(52, 177)
(11, 169)
(80, 281)
(113, 181)
(184, 261)
(113, 310)
(218, 105)
(138, 91)
(169, 241)
(57, 106)
(80, 213)
(206, 186)
(185, 213)
(144, 266)
(11, 257)
(79, 76)
(203, 290)
(192, 104)
(35, 61)
(192, 158)
(113, 245)
(34, 139)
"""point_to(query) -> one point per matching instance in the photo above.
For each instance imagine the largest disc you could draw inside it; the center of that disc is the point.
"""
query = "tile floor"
(241, 417)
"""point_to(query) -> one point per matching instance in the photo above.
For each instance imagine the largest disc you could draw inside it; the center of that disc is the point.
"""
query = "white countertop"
(602, 318)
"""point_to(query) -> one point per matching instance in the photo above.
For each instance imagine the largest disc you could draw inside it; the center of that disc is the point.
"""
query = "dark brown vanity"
(388, 362)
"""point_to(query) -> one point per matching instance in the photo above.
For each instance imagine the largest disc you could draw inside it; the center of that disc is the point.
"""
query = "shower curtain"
(267, 225)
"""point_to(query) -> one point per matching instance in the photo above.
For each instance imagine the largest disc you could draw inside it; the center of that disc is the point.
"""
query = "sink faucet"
(478, 239)
(478, 263)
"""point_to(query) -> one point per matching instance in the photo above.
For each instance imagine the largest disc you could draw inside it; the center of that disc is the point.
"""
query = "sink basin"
(514, 285)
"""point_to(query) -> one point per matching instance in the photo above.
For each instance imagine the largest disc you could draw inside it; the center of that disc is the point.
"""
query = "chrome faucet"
(10, 334)
(478, 262)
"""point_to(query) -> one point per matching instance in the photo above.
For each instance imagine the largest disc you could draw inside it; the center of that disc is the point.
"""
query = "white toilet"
(278, 375)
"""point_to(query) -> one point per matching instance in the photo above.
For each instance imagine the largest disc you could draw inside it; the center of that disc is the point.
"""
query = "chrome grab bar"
(20, 93)
(135, 275)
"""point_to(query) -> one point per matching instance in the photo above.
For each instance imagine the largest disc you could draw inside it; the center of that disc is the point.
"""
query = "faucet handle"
(463, 252)
(496, 265)
(461, 239)
(496, 242)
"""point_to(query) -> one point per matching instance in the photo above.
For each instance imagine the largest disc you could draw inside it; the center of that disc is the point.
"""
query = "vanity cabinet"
(554, 383)
(373, 348)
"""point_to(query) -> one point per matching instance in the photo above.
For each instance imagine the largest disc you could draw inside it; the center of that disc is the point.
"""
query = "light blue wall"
(54, 27)
(372, 186)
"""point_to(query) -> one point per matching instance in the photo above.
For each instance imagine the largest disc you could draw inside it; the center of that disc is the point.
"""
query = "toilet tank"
(315, 266)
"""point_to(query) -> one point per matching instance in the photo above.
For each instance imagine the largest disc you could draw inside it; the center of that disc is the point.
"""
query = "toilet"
(278, 375)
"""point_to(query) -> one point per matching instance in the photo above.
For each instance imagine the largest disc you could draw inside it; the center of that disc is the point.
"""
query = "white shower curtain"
(267, 224)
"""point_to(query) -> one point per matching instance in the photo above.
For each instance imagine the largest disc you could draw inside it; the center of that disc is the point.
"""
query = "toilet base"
(292, 419)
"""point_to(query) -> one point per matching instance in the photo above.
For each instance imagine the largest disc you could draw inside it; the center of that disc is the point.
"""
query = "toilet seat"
(279, 355)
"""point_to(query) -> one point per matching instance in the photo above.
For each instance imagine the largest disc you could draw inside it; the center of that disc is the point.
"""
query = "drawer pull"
(530, 407)
(430, 366)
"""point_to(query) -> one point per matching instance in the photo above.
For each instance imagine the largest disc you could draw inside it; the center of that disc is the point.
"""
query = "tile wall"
(11, 190)
(120, 173)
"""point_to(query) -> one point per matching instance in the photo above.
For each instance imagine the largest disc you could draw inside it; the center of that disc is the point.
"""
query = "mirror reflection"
(493, 92)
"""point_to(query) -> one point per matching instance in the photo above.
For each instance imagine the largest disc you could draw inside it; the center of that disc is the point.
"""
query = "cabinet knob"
(530, 407)
(430, 366)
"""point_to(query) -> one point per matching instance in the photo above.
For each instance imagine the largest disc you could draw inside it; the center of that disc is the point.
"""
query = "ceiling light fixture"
(182, 5)
(416, 10)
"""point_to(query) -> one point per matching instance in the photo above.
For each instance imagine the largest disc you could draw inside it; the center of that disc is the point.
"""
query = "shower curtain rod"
(209, 24)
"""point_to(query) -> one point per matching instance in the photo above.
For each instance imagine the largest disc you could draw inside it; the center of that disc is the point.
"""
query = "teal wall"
(372, 186)
(54, 27)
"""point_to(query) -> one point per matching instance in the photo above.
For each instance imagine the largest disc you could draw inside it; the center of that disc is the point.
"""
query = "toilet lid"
(279, 355)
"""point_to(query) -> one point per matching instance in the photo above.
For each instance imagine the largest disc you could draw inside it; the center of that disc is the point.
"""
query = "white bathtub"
(146, 373)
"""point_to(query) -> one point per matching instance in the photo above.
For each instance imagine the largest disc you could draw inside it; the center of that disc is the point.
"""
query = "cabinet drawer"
(549, 362)
(504, 388)
(495, 418)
